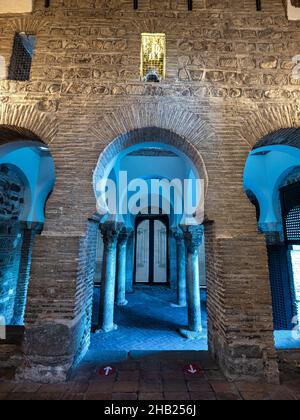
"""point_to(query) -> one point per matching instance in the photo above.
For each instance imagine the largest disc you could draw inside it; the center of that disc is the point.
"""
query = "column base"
(130, 291)
(124, 303)
(178, 305)
(191, 335)
(108, 330)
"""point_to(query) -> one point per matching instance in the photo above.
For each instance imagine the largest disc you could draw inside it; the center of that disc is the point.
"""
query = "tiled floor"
(158, 378)
(149, 323)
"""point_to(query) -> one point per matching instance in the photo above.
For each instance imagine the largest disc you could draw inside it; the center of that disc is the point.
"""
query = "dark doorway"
(152, 250)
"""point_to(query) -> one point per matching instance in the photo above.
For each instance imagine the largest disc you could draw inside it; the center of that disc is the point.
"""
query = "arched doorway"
(157, 242)
(27, 177)
(271, 181)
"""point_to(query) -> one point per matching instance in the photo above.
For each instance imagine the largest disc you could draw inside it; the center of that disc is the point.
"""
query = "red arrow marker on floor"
(107, 371)
(192, 369)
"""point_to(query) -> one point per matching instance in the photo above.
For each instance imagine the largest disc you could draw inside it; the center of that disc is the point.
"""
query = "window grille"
(21, 60)
(290, 202)
(292, 224)
(282, 300)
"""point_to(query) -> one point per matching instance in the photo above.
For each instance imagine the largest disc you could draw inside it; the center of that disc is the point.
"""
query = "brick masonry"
(229, 83)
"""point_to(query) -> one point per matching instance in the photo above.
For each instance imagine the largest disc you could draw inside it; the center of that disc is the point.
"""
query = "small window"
(22, 55)
(293, 9)
(153, 67)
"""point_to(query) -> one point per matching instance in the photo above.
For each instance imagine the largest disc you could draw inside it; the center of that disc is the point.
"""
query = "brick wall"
(85, 285)
(229, 83)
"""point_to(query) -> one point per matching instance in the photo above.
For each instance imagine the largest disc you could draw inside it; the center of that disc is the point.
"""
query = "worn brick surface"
(114, 388)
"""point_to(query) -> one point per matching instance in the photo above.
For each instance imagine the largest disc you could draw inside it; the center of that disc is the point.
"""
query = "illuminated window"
(153, 66)
(295, 258)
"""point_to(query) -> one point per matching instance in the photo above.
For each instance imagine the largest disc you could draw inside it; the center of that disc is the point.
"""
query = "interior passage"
(149, 323)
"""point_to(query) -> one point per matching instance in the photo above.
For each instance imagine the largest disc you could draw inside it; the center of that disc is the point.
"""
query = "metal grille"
(21, 60)
(292, 225)
(290, 202)
(280, 287)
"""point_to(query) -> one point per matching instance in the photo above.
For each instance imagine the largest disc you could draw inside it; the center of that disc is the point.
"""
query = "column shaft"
(181, 267)
(121, 277)
(193, 236)
(107, 300)
(10, 257)
(194, 297)
(181, 264)
(24, 274)
(130, 263)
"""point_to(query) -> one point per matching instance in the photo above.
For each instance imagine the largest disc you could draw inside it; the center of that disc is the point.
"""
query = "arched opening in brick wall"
(272, 183)
(149, 261)
(27, 177)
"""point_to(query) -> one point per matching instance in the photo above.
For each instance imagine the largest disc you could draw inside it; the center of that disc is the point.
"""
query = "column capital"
(274, 238)
(124, 234)
(34, 227)
(178, 234)
(110, 232)
(193, 236)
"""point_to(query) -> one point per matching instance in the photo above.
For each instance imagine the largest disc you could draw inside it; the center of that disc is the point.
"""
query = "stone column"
(10, 256)
(130, 262)
(172, 257)
(193, 236)
(181, 268)
(110, 233)
(28, 236)
(121, 274)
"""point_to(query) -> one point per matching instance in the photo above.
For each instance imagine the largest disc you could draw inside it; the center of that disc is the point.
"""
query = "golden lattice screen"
(153, 55)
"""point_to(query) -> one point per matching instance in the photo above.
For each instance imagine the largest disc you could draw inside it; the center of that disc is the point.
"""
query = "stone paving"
(149, 323)
(144, 369)
(159, 378)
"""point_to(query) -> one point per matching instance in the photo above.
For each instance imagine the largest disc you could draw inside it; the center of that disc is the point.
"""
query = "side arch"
(270, 163)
